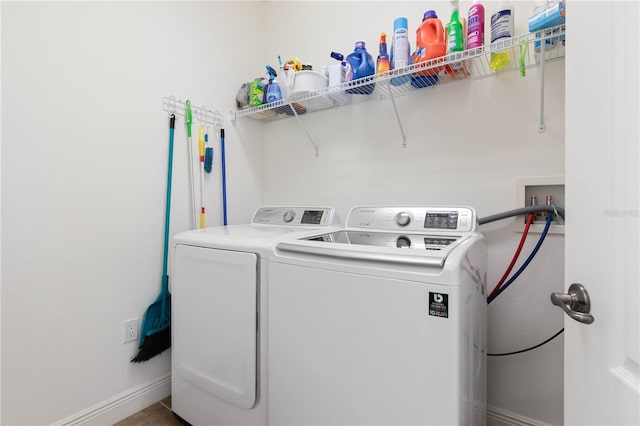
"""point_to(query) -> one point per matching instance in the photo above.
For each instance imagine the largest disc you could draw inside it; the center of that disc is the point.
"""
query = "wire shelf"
(519, 54)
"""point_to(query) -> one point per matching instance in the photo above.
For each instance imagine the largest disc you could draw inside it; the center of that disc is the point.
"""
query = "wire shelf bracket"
(395, 109)
(304, 128)
(542, 126)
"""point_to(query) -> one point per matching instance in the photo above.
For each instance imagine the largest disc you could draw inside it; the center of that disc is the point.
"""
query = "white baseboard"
(121, 406)
(130, 402)
(501, 417)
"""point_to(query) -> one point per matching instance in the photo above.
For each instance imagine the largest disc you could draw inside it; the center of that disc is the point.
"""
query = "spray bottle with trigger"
(272, 93)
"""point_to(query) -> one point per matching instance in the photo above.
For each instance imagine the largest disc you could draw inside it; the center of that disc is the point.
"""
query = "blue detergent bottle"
(362, 66)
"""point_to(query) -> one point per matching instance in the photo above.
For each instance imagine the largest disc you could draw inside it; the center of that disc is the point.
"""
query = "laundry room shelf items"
(524, 52)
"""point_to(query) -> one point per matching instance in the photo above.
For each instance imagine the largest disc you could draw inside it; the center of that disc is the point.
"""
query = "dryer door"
(214, 322)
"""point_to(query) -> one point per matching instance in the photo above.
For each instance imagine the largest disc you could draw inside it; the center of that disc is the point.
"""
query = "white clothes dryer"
(381, 323)
(218, 284)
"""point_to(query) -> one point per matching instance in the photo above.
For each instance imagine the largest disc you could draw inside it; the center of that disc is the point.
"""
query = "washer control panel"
(294, 216)
(413, 218)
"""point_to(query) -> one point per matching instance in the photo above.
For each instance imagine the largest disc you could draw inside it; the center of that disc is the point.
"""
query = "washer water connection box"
(541, 191)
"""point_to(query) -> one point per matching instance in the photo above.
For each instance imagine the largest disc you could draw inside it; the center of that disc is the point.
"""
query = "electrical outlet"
(130, 330)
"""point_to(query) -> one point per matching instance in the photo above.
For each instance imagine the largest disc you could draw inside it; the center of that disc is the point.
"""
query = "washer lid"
(255, 238)
(421, 250)
(416, 235)
(269, 225)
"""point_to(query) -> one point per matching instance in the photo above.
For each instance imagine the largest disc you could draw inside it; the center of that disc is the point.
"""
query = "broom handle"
(188, 120)
(167, 210)
(201, 149)
(224, 179)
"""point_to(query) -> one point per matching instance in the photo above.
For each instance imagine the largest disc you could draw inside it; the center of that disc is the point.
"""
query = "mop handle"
(167, 209)
(188, 118)
(224, 179)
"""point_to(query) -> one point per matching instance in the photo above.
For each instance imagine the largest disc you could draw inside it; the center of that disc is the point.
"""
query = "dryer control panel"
(413, 218)
(294, 216)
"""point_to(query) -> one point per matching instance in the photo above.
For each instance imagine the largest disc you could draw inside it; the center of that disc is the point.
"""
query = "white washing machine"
(381, 323)
(218, 318)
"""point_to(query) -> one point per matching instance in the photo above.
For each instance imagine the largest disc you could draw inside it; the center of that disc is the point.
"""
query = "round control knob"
(403, 242)
(288, 216)
(403, 218)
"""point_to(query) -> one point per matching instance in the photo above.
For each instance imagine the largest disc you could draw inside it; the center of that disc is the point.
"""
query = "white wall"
(84, 158)
(84, 167)
(466, 143)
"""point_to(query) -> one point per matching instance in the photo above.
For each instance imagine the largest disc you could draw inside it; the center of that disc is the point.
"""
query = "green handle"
(188, 117)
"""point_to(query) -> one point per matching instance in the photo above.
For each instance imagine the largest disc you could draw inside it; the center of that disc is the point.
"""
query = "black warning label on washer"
(439, 305)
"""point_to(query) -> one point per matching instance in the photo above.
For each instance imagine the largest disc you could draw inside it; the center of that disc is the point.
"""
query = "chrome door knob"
(576, 303)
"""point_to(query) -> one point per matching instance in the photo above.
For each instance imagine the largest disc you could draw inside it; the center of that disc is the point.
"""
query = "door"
(601, 367)
(214, 327)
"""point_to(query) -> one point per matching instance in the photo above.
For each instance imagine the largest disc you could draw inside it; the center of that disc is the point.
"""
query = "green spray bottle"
(455, 41)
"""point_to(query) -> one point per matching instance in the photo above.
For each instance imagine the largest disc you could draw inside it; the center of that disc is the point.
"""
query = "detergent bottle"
(382, 63)
(362, 66)
(501, 30)
(475, 30)
(400, 49)
(337, 71)
(338, 75)
(345, 68)
(455, 42)
(430, 44)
